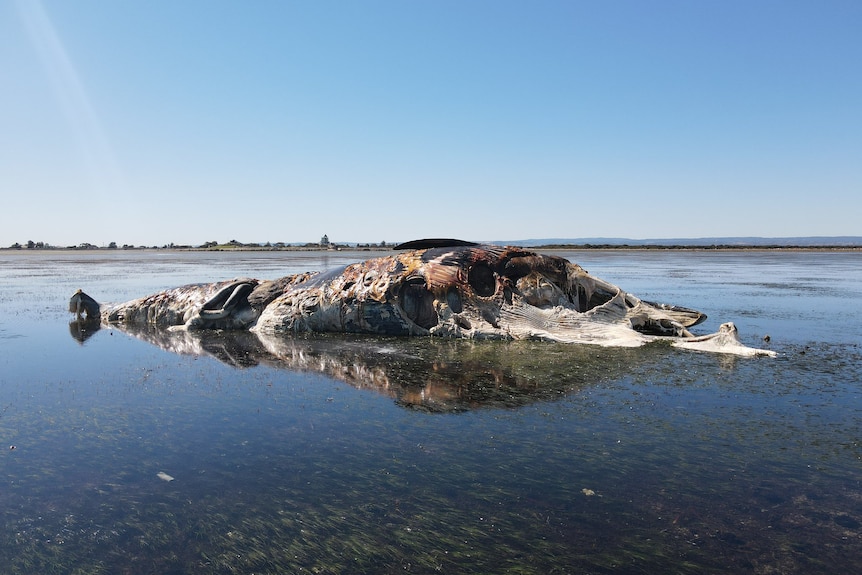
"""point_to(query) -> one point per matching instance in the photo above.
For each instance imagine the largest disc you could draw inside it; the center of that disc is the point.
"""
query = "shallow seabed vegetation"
(623, 461)
(225, 454)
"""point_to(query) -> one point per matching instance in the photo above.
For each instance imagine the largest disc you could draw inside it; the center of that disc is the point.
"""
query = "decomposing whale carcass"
(446, 288)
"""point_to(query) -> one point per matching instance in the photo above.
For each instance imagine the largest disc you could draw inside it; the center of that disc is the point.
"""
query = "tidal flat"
(346, 454)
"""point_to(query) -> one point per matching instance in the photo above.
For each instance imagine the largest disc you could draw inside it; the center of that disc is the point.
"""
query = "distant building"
(324, 241)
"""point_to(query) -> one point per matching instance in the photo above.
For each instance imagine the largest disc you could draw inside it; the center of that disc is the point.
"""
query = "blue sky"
(154, 122)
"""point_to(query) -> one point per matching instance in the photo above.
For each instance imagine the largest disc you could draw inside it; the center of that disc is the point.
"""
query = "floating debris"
(588, 492)
(164, 476)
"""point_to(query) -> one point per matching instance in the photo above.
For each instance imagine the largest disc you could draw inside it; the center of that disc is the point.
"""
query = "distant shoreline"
(550, 247)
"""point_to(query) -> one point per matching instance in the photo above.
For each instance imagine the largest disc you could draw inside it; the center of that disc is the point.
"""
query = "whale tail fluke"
(84, 306)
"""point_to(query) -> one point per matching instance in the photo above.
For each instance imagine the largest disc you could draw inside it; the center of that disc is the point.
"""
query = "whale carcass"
(444, 288)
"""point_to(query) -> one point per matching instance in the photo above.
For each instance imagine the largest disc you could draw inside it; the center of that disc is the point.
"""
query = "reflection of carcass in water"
(429, 374)
(83, 328)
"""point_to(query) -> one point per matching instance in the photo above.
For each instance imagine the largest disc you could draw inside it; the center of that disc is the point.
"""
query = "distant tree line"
(324, 243)
(31, 245)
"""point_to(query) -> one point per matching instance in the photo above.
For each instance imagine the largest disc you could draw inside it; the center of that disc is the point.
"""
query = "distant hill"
(802, 241)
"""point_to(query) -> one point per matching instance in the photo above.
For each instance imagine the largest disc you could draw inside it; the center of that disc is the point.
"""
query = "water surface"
(379, 455)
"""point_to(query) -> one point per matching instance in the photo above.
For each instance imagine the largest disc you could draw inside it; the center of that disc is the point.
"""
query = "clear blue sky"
(187, 121)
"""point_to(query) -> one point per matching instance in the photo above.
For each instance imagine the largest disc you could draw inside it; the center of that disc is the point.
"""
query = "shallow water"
(380, 455)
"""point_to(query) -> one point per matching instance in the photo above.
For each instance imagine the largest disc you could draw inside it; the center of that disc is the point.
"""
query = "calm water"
(369, 455)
